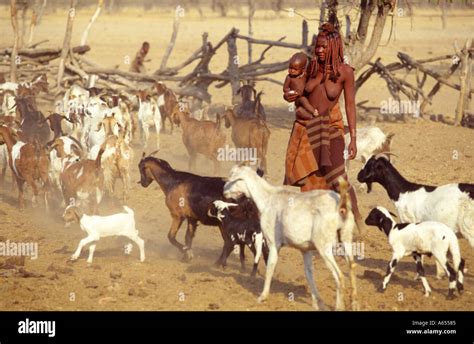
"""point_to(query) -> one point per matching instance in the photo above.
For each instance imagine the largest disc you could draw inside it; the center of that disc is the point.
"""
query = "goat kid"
(424, 238)
(97, 227)
(241, 224)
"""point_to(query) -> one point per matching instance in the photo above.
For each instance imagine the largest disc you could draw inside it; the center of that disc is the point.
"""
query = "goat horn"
(153, 153)
(385, 154)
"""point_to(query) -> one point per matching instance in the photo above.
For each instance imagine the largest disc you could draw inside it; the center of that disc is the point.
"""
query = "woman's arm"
(349, 98)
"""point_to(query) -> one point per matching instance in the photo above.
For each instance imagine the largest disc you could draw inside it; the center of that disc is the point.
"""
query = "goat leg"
(175, 224)
(242, 257)
(190, 232)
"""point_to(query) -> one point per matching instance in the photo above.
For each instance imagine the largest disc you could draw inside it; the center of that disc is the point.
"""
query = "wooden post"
(304, 33)
(67, 41)
(251, 14)
(172, 42)
(437, 86)
(100, 4)
(233, 64)
(13, 57)
(34, 18)
(465, 80)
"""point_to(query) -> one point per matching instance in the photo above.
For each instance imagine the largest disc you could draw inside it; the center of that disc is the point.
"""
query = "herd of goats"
(79, 151)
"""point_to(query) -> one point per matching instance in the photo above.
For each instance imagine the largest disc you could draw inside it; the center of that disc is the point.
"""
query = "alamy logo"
(27, 249)
(37, 327)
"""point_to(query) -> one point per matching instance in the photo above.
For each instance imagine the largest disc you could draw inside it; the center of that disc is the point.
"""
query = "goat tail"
(98, 160)
(128, 210)
(345, 205)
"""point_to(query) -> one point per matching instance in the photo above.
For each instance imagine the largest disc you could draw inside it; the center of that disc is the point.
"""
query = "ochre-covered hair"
(334, 52)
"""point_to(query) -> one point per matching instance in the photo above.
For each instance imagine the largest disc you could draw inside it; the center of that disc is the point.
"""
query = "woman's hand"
(352, 149)
(290, 96)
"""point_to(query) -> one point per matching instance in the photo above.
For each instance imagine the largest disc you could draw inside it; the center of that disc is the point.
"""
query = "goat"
(187, 196)
(148, 115)
(117, 156)
(248, 107)
(200, 137)
(370, 141)
(166, 101)
(96, 227)
(251, 133)
(83, 181)
(28, 163)
(54, 121)
(451, 204)
(241, 223)
(307, 221)
(62, 149)
(31, 129)
(425, 238)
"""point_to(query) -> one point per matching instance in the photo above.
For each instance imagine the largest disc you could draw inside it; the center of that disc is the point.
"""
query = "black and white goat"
(424, 238)
(451, 204)
(241, 224)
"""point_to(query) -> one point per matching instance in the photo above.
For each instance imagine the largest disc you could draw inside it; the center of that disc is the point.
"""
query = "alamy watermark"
(340, 249)
(11, 249)
(242, 154)
(392, 106)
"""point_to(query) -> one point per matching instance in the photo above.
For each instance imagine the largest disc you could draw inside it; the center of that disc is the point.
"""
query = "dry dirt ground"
(429, 152)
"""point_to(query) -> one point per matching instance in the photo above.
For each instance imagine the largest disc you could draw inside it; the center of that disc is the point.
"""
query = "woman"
(316, 140)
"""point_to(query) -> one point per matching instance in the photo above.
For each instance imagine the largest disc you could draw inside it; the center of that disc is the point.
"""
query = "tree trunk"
(13, 57)
(172, 42)
(67, 41)
(100, 4)
(465, 81)
(233, 65)
(251, 14)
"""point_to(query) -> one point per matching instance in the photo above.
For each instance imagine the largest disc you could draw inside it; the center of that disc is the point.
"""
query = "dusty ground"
(429, 152)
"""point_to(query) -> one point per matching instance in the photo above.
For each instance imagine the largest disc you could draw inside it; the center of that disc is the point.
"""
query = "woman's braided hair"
(334, 52)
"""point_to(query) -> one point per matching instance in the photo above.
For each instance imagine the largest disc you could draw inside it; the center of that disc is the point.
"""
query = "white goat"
(451, 204)
(96, 227)
(149, 115)
(307, 221)
(424, 238)
(370, 141)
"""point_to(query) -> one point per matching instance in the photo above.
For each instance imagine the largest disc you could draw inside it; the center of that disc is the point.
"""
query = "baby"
(295, 83)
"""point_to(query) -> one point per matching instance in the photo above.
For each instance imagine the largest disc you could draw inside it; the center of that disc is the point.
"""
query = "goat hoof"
(450, 295)
(261, 299)
(427, 293)
(460, 287)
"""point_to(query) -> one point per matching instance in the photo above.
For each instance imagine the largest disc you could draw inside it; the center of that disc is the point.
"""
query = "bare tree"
(357, 51)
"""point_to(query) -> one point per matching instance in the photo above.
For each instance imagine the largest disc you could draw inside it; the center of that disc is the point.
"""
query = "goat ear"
(143, 155)
(392, 214)
(260, 172)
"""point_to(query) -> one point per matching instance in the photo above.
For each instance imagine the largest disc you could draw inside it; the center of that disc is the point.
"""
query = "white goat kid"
(307, 221)
(96, 227)
(424, 238)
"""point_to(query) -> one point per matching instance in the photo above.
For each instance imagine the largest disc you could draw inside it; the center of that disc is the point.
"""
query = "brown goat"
(28, 163)
(249, 108)
(249, 133)
(116, 163)
(170, 101)
(83, 181)
(203, 137)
